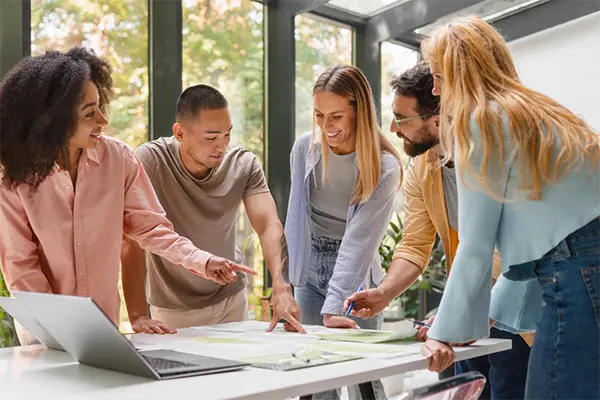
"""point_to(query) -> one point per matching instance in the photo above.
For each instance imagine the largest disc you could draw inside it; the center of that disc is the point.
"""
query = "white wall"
(564, 63)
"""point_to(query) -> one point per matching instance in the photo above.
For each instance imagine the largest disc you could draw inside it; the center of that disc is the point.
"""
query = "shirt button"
(78, 244)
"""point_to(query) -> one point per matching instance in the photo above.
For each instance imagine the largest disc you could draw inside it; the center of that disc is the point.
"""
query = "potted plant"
(396, 309)
(425, 293)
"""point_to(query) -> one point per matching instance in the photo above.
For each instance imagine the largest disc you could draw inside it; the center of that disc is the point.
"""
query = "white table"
(34, 372)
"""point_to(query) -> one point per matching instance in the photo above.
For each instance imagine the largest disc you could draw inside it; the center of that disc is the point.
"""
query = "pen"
(420, 323)
(351, 306)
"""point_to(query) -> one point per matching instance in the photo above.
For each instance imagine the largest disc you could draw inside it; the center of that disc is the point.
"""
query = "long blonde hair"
(349, 82)
(477, 70)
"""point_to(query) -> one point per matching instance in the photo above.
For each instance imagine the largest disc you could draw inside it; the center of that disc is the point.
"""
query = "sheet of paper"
(292, 361)
(208, 339)
(240, 327)
(371, 350)
(368, 336)
(238, 352)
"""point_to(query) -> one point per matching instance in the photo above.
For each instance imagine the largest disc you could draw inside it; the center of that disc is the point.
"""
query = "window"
(395, 59)
(365, 8)
(223, 48)
(116, 30)
(319, 45)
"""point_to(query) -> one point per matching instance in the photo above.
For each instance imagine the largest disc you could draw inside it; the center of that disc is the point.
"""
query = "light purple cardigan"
(358, 258)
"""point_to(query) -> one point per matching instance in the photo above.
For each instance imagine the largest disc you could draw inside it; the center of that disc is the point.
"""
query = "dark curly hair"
(38, 103)
(417, 83)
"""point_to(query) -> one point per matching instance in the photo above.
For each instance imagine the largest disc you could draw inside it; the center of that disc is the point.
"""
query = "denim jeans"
(565, 358)
(505, 372)
(311, 298)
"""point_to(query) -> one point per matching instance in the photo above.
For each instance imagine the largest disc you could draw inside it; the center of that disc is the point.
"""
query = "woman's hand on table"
(440, 355)
(338, 321)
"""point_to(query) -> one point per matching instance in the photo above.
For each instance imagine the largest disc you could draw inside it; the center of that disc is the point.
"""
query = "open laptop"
(22, 315)
(91, 338)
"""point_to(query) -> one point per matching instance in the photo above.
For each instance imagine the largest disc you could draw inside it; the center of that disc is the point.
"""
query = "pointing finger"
(242, 268)
(295, 324)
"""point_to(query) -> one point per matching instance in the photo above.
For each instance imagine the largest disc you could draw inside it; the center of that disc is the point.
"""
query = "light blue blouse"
(522, 230)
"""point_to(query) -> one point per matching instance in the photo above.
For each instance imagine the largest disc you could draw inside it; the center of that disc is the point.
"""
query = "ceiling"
(408, 21)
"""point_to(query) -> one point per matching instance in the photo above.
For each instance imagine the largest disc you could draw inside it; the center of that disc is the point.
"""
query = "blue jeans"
(505, 372)
(311, 298)
(565, 358)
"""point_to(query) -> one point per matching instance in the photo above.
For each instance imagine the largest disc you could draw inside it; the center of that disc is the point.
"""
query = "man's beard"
(414, 149)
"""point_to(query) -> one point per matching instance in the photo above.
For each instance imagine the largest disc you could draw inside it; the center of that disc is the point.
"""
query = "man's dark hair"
(417, 83)
(38, 110)
(197, 98)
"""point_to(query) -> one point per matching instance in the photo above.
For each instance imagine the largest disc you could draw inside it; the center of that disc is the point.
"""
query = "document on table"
(303, 359)
(369, 336)
(371, 350)
(248, 341)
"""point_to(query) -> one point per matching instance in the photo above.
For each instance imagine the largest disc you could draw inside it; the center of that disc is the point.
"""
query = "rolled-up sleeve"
(145, 222)
(362, 238)
(418, 234)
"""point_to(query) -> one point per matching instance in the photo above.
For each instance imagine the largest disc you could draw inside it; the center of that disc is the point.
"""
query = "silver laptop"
(91, 338)
(22, 315)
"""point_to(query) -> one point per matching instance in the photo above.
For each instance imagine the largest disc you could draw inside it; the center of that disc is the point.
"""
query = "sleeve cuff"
(442, 335)
(418, 261)
(462, 317)
(516, 305)
(255, 191)
(333, 306)
(196, 262)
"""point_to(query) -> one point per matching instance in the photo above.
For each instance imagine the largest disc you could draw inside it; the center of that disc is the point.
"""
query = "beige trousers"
(232, 309)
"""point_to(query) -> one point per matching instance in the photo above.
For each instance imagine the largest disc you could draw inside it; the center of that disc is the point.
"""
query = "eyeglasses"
(399, 121)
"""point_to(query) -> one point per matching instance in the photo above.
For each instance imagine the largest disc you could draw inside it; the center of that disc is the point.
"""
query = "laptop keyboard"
(163, 364)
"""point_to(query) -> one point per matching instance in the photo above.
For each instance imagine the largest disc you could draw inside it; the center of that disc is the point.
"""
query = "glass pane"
(116, 30)
(488, 9)
(319, 45)
(395, 59)
(223, 47)
(366, 8)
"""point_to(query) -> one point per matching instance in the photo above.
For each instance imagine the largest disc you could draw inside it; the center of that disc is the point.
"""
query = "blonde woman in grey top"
(345, 175)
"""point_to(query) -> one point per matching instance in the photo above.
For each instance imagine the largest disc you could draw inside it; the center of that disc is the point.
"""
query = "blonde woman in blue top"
(529, 184)
(345, 175)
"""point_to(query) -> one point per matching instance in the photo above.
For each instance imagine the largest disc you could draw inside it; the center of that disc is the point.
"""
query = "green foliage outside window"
(8, 336)
(223, 46)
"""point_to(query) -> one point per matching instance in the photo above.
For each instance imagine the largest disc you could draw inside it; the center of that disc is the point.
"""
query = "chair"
(466, 386)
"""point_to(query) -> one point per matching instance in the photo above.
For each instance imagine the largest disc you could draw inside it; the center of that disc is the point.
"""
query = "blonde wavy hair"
(350, 83)
(477, 69)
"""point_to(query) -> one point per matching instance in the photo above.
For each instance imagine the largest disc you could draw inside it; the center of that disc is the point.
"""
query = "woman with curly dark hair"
(68, 193)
